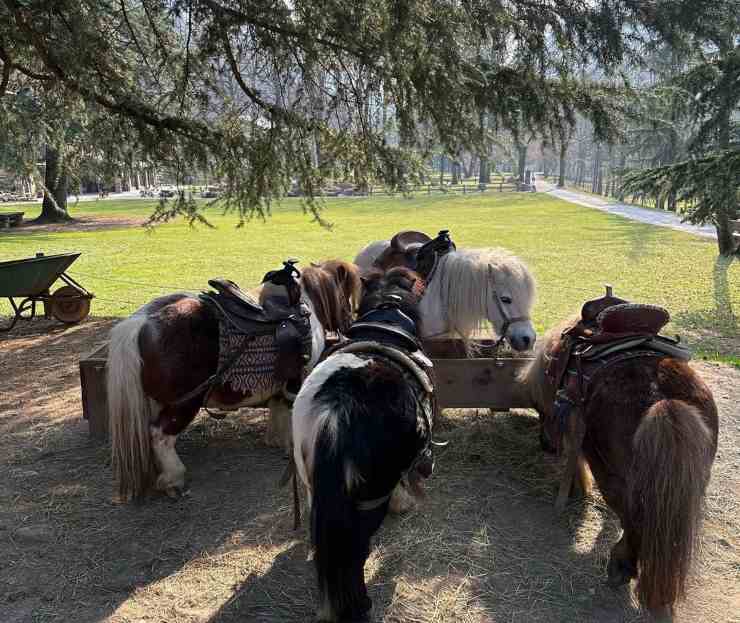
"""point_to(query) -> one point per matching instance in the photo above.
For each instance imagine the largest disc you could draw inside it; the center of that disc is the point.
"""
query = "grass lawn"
(572, 251)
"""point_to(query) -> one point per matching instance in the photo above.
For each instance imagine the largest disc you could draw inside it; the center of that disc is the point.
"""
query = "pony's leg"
(401, 500)
(164, 432)
(171, 477)
(583, 481)
(622, 565)
(279, 433)
(546, 444)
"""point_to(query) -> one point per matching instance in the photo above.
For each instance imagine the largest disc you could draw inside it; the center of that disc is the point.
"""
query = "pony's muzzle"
(522, 336)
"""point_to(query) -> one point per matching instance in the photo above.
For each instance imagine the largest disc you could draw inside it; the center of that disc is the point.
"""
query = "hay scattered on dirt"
(485, 547)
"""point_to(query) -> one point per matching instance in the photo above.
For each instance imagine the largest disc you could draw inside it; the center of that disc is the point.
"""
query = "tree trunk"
(563, 153)
(484, 176)
(596, 172)
(455, 172)
(54, 206)
(442, 160)
(522, 149)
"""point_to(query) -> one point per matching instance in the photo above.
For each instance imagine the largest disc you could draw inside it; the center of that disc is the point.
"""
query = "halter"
(508, 320)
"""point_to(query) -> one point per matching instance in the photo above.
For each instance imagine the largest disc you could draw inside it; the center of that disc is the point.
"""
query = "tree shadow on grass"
(717, 326)
(641, 238)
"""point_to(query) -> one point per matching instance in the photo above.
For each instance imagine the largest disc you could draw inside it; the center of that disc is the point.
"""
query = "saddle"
(611, 330)
(261, 343)
(386, 325)
(419, 252)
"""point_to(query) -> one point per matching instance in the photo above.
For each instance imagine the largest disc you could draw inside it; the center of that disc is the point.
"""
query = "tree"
(253, 90)
(708, 180)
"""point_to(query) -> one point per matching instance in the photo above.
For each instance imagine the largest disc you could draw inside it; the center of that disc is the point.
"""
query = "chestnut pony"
(169, 347)
(650, 440)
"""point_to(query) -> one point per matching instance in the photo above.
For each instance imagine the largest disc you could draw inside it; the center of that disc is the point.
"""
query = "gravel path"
(634, 213)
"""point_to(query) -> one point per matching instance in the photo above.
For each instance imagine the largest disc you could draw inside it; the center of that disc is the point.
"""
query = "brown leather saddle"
(416, 251)
(611, 330)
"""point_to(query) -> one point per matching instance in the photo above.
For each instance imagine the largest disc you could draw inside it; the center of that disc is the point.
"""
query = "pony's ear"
(315, 265)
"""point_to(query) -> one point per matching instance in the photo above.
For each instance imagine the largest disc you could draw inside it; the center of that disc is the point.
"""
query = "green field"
(571, 250)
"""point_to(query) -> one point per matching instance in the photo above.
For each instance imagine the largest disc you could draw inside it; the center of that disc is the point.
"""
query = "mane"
(398, 281)
(330, 287)
(533, 375)
(463, 285)
(347, 276)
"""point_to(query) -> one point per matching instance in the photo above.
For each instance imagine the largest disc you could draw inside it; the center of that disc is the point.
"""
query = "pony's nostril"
(526, 340)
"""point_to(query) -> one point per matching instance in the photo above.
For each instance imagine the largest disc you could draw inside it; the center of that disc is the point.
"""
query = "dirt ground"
(80, 223)
(486, 547)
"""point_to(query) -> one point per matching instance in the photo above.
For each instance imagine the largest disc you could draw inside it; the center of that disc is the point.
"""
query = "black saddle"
(244, 311)
(430, 252)
(387, 325)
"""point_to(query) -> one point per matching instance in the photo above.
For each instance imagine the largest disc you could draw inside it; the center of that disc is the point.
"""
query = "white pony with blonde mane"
(470, 288)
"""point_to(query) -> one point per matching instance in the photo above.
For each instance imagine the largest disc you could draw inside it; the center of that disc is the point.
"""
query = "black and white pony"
(363, 420)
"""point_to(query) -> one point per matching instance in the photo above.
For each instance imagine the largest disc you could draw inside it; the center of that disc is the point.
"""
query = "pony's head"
(331, 287)
(394, 286)
(478, 285)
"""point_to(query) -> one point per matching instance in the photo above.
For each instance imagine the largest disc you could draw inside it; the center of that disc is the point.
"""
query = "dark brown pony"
(169, 347)
(650, 440)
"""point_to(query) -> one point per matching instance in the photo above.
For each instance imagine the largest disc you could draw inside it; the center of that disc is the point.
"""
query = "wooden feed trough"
(486, 381)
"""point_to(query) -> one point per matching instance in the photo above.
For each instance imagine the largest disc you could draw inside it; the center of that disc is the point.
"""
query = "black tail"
(340, 534)
(368, 438)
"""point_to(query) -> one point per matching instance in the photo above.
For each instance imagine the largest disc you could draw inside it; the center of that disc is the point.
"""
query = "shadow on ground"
(485, 547)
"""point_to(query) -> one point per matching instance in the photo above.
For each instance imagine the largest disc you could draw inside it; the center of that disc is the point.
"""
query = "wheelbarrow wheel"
(68, 306)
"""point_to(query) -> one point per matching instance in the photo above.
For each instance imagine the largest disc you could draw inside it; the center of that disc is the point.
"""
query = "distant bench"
(11, 219)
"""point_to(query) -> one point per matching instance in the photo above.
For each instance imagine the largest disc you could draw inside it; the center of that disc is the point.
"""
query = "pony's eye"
(506, 300)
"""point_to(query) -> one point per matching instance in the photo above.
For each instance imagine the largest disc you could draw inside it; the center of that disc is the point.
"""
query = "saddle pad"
(634, 318)
(255, 370)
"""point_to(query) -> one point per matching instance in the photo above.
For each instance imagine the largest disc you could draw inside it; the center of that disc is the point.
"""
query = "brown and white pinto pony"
(169, 347)
(651, 436)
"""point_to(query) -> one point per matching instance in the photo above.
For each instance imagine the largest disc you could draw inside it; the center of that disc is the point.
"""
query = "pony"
(362, 420)
(650, 439)
(469, 288)
(161, 358)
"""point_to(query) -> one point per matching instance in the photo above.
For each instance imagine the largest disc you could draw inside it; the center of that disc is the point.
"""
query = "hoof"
(620, 572)
(401, 501)
(545, 444)
(662, 615)
(175, 493)
(172, 487)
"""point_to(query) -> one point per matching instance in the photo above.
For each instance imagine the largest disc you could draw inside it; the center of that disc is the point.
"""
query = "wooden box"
(487, 381)
(94, 398)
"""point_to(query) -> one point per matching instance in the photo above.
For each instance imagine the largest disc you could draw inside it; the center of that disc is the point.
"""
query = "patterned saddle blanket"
(261, 346)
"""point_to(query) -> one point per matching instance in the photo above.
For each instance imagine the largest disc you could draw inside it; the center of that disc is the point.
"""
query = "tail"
(339, 531)
(673, 454)
(129, 410)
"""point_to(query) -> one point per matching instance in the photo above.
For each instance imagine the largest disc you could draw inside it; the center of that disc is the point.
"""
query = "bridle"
(508, 320)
